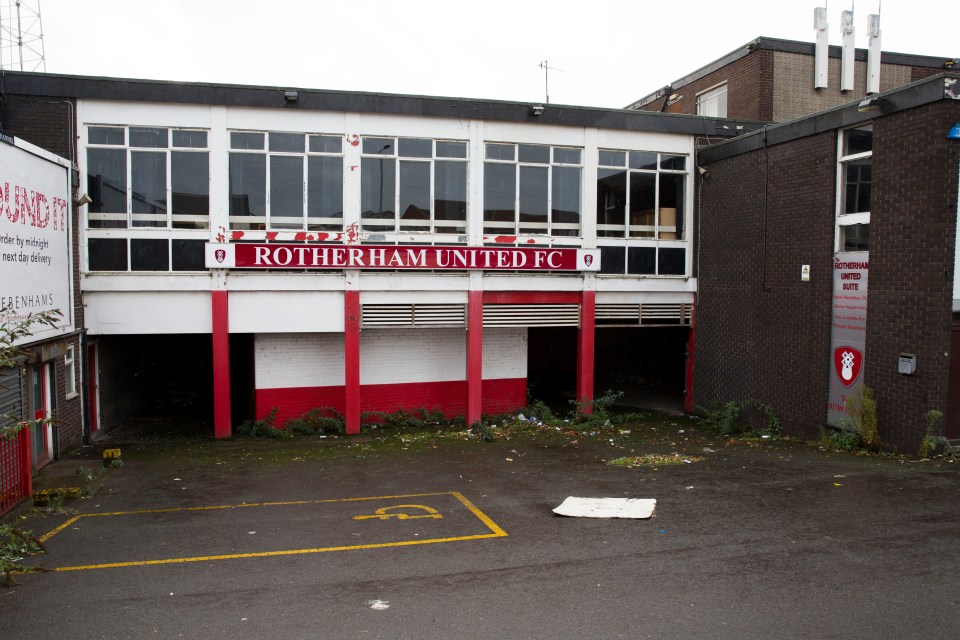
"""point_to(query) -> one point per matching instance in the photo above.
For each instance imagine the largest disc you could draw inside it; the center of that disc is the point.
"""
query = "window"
(70, 371)
(854, 184)
(151, 177)
(640, 194)
(413, 185)
(531, 189)
(713, 102)
(282, 180)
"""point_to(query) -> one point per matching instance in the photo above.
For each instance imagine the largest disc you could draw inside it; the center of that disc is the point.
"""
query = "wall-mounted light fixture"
(536, 109)
(82, 199)
(291, 96)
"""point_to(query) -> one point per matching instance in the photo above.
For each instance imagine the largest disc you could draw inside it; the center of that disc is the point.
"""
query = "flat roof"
(134, 90)
(786, 46)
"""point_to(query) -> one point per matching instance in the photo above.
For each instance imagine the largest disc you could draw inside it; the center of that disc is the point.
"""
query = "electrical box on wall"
(908, 363)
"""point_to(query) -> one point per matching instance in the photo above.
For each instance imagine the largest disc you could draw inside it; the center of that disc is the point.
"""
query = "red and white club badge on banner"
(848, 362)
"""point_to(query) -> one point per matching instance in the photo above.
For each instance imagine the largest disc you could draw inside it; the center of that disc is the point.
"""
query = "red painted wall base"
(499, 396)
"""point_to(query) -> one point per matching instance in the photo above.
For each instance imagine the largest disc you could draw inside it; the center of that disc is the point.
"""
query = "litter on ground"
(639, 508)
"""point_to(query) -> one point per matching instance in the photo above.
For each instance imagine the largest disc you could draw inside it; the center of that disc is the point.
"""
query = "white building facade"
(576, 218)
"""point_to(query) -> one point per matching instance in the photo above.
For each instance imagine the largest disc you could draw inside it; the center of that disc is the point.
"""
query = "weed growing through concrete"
(653, 459)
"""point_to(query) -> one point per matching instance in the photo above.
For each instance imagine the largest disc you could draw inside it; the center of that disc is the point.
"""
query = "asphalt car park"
(455, 538)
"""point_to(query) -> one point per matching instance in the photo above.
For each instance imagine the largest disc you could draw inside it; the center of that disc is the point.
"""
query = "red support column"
(26, 462)
(688, 380)
(474, 356)
(585, 340)
(351, 359)
(222, 422)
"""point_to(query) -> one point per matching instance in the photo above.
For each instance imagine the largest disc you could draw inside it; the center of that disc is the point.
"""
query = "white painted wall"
(147, 312)
(387, 356)
(285, 311)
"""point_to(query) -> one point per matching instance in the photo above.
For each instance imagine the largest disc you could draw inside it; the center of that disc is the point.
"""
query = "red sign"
(325, 256)
(847, 362)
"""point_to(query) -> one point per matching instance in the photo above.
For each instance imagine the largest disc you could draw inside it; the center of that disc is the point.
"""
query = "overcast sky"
(607, 53)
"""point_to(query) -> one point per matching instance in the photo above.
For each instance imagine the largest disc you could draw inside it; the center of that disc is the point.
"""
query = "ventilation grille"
(531, 315)
(646, 315)
(413, 315)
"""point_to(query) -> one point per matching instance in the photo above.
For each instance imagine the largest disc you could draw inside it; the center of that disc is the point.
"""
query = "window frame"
(659, 229)
(307, 223)
(397, 224)
(520, 227)
(70, 372)
(842, 219)
(712, 95)
(129, 218)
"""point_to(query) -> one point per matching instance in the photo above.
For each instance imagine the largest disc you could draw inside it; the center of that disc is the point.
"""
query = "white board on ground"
(640, 508)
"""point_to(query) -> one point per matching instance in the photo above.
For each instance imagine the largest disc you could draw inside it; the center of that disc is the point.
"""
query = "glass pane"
(190, 139)
(643, 160)
(671, 206)
(415, 148)
(106, 254)
(190, 185)
(499, 197)
(500, 151)
(613, 259)
(857, 179)
(613, 158)
(858, 140)
(642, 203)
(287, 142)
(611, 202)
(188, 255)
(105, 135)
(533, 199)
(149, 255)
(672, 261)
(414, 196)
(107, 187)
(565, 213)
(534, 153)
(562, 155)
(151, 138)
(855, 237)
(673, 163)
(325, 193)
(248, 191)
(451, 149)
(326, 144)
(286, 192)
(450, 196)
(377, 190)
(243, 140)
(148, 186)
(641, 261)
(379, 146)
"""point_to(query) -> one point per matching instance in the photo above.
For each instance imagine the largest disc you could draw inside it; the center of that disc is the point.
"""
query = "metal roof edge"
(908, 96)
(136, 90)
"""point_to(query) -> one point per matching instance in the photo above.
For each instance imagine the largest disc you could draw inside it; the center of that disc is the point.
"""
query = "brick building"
(772, 80)
(808, 226)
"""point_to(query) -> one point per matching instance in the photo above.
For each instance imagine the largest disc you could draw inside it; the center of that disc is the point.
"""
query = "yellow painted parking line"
(495, 531)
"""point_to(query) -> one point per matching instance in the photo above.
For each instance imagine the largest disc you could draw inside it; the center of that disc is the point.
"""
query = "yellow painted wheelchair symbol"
(385, 513)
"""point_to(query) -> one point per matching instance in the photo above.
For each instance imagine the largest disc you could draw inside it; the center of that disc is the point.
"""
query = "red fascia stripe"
(531, 297)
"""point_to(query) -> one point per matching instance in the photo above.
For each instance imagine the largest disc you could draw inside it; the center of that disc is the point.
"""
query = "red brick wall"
(762, 334)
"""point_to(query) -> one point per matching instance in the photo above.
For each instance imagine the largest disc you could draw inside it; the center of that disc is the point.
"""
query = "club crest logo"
(848, 362)
(588, 259)
(220, 255)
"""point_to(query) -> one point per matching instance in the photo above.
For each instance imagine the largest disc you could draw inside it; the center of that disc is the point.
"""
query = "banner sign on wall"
(35, 269)
(323, 256)
(849, 332)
